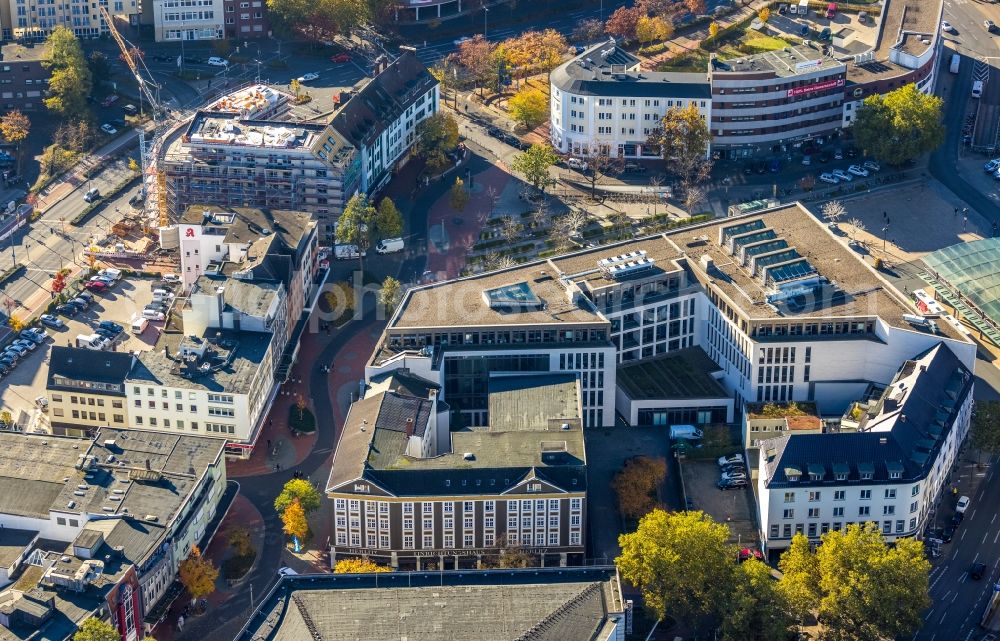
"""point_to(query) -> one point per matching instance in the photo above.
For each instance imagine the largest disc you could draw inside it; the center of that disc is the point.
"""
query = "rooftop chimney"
(409, 427)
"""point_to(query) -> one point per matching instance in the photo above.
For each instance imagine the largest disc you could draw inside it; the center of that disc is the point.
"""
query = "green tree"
(323, 19)
(534, 165)
(799, 584)
(458, 198)
(198, 575)
(436, 136)
(871, 591)
(899, 126)
(301, 490)
(757, 610)
(71, 80)
(357, 225)
(683, 137)
(984, 434)
(100, 67)
(683, 565)
(529, 107)
(94, 629)
(388, 220)
(390, 294)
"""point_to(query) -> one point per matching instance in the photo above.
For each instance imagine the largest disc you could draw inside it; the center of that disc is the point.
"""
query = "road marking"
(928, 617)
(997, 537)
(943, 615)
(984, 537)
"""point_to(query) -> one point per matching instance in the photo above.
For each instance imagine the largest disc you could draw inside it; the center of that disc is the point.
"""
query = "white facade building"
(175, 20)
(601, 102)
(891, 472)
(36, 19)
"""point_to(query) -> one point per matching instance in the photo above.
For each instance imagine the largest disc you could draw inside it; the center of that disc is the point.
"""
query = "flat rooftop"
(684, 374)
(252, 298)
(784, 63)
(33, 471)
(472, 605)
(904, 24)
(13, 52)
(215, 128)
(12, 544)
(231, 361)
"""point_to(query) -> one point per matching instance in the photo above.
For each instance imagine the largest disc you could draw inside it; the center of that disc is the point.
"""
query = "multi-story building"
(407, 490)
(239, 154)
(86, 391)
(765, 421)
(470, 605)
(99, 528)
(30, 20)
(891, 471)
(246, 19)
(774, 99)
(23, 78)
(186, 19)
(602, 103)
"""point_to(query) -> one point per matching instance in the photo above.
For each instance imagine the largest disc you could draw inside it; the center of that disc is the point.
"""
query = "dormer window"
(866, 476)
(894, 475)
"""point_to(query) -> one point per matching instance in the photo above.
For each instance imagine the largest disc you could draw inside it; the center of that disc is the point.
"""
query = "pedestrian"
(268, 443)
(271, 422)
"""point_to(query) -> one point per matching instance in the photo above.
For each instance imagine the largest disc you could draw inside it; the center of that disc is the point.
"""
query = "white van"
(977, 89)
(685, 432)
(139, 325)
(389, 245)
(956, 60)
(90, 341)
(111, 272)
(152, 315)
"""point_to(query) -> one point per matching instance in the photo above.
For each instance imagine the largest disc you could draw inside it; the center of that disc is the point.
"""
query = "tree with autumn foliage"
(713, 29)
(59, 281)
(15, 127)
(358, 566)
(623, 22)
(529, 107)
(198, 575)
(683, 137)
(535, 51)
(476, 55)
(94, 629)
(653, 29)
(294, 521)
(697, 7)
(637, 485)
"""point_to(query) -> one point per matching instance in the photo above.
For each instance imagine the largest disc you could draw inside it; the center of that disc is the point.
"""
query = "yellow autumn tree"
(358, 566)
(713, 29)
(198, 575)
(294, 520)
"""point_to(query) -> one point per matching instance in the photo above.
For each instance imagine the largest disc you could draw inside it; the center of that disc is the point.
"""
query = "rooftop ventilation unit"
(631, 268)
(604, 263)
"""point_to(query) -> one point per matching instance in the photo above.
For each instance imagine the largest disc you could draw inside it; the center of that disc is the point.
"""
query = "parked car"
(871, 165)
(216, 61)
(96, 286)
(108, 129)
(26, 344)
(81, 302)
(838, 155)
(105, 333)
(852, 152)
(843, 175)
(110, 100)
(308, 77)
(130, 110)
(732, 458)
(946, 26)
(806, 160)
(962, 505)
(92, 195)
(576, 163)
(51, 321)
(732, 485)
(102, 279)
(33, 336)
(20, 350)
(989, 25)
(171, 278)
(977, 570)
(829, 178)
(992, 165)
(857, 170)
(948, 533)
(733, 476)
(634, 168)
(343, 57)
(67, 310)
(287, 571)
(8, 361)
(111, 326)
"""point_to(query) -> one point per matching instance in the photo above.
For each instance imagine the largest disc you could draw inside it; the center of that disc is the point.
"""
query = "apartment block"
(239, 153)
(175, 20)
(408, 488)
(23, 79)
(86, 390)
(891, 471)
(34, 20)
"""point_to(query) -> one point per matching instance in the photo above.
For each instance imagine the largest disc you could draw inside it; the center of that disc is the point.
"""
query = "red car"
(96, 286)
(341, 57)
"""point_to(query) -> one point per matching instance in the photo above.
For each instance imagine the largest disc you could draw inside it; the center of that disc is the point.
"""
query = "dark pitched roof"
(405, 382)
(88, 365)
(903, 433)
(379, 103)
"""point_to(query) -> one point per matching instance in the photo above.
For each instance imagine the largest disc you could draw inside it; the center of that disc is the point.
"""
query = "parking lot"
(27, 378)
(732, 507)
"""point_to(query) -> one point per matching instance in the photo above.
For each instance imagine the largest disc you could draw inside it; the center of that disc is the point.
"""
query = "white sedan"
(842, 175)
(309, 77)
(459, 41)
(216, 61)
(829, 178)
(857, 170)
(108, 129)
(946, 27)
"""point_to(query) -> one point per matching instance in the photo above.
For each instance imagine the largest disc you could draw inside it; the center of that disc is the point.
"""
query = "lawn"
(735, 46)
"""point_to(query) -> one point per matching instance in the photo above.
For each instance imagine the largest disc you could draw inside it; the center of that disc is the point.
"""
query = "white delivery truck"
(344, 252)
(956, 60)
(389, 245)
(91, 341)
(685, 432)
(139, 324)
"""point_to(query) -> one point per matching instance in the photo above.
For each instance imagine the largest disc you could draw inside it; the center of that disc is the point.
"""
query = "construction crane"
(155, 202)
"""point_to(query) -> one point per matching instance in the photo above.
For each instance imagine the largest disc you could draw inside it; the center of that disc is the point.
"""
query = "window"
(774, 531)
(890, 494)
(866, 495)
(838, 495)
(408, 541)
(888, 509)
(864, 510)
(788, 514)
(914, 490)
(887, 527)
(913, 506)
(814, 496)
(838, 511)
(814, 512)
(812, 530)
(789, 497)
(467, 541)
(900, 526)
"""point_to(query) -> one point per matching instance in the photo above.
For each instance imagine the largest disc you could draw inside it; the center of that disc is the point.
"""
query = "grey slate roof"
(252, 298)
(903, 433)
(608, 70)
(12, 544)
(88, 365)
(383, 100)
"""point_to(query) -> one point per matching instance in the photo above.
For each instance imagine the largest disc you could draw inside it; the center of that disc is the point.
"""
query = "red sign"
(819, 86)
(189, 232)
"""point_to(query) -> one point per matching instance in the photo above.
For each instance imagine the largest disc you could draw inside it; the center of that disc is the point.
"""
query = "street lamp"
(486, 15)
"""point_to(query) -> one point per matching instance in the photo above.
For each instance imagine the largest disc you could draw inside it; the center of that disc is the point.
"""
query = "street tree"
(458, 197)
(390, 294)
(16, 323)
(985, 431)
(683, 137)
(833, 211)
(535, 51)
(295, 86)
(93, 629)
(71, 81)
(899, 126)
(436, 136)
(600, 165)
(294, 522)
(534, 165)
(637, 485)
(693, 196)
(757, 609)
(682, 564)
(696, 7)
(623, 23)
(513, 556)
(588, 30)
(871, 591)
(388, 220)
(857, 226)
(59, 281)
(197, 575)
(713, 29)
(799, 584)
(321, 20)
(476, 55)
(653, 29)
(301, 490)
(15, 127)
(358, 566)
(495, 261)
(511, 229)
(100, 67)
(529, 107)
(239, 540)
(764, 14)
(356, 226)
